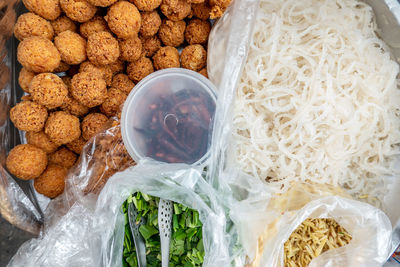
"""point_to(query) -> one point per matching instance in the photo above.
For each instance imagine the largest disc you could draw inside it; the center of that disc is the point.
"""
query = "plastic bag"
(92, 232)
(249, 200)
(369, 227)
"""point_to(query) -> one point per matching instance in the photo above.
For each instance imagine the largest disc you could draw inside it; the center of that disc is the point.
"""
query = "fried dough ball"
(122, 82)
(194, 57)
(63, 157)
(166, 57)
(52, 181)
(63, 67)
(150, 45)
(218, 8)
(197, 31)
(78, 10)
(139, 69)
(176, 9)
(96, 24)
(28, 116)
(24, 79)
(92, 124)
(72, 106)
(89, 88)
(151, 22)
(117, 67)
(196, 1)
(29, 24)
(204, 72)
(124, 19)
(63, 23)
(102, 3)
(38, 54)
(131, 49)
(48, 9)
(105, 71)
(115, 98)
(26, 161)
(77, 145)
(102, 48)
(72, 47)
(172, 33)
(48, 89)
(62, 127)
(147, 5)
(202, 10)
(42, 141)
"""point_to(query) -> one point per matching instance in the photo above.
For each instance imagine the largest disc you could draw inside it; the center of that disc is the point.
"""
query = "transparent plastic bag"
(92, 232)
(249, 199)
(369, 227)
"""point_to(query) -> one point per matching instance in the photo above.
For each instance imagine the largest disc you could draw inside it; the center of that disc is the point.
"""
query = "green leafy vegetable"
(186, 248)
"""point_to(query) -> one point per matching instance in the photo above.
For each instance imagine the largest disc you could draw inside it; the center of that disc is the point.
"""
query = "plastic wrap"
(92, 232)
(248, 199)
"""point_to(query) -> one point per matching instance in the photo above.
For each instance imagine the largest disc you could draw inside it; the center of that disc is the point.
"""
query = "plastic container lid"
(168, 117)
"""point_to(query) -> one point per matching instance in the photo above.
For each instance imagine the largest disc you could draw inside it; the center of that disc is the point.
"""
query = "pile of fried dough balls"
(81, 58)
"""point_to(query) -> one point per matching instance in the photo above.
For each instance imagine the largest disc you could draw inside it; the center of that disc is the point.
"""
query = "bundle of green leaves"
(186, 248)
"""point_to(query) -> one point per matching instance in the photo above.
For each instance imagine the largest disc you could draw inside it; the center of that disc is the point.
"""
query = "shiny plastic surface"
(168, 117)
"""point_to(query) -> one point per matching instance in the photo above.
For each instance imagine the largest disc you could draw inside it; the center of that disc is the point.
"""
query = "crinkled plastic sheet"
(92, 232)
(248, 199)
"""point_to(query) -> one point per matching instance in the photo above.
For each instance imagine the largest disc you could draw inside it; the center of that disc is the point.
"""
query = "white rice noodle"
(318, 99)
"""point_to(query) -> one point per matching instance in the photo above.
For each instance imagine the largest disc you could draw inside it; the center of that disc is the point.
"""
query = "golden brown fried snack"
(78, 10)
(171, 32)
(52, 181)
(204, 72)
(48, 9)
(201, 11)
(72, 106)
(147, 5)
(124, 19)
(96, 24)
(115, 99)
(63, 67)
(117, 67)
(63, 157)
(89, 88)
(102, 48)
(151, 22)
(130, 48)
(29, 24)
(72, 47)
(92, 124)
(28, 116)
(150, 45)
(26, 161)
(48, 89)
(105, 71)
(77, 145)
(62, 127)
(218, 8)
(166, 57)
(122, 82)
(42, 141)
(63, 23)
(24, 79)
(197, 31)
(38, 54)
(176, 9)
(139, 69)
(102, 3)
(194, 57)
(196, 1)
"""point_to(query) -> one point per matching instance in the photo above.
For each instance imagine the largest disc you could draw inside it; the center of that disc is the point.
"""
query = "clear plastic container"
(168, 117)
